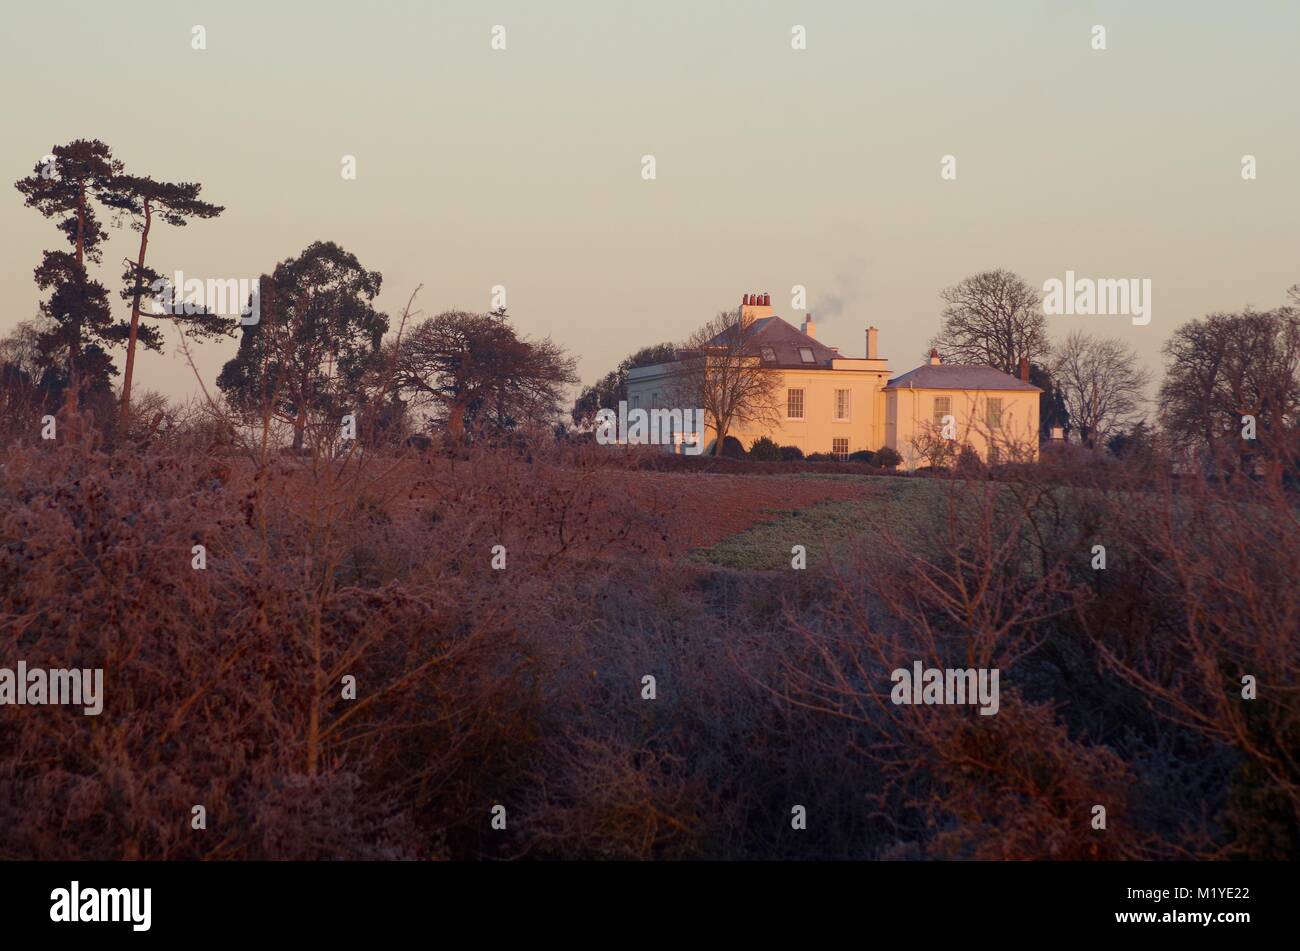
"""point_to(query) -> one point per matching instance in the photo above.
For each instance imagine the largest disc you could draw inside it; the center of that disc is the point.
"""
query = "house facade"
(826, 402)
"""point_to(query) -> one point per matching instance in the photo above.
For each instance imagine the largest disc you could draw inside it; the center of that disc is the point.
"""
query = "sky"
(774, 166)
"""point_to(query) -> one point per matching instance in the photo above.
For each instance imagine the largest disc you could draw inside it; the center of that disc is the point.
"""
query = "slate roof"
(954, 376)
(785, 341)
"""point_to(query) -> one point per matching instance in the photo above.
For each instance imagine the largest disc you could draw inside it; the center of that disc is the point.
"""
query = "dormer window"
(769, 355)
(806, 355)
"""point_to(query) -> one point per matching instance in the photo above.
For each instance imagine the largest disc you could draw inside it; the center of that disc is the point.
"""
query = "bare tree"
(22, 395)
(481, 375)
(993, 318)
(930, 445)
(724, 375)
(1102, 382)
(1225, 367)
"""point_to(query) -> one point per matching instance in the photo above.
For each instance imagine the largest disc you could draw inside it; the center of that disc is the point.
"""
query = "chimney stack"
(934, 357)
(1024, 369)
(809, 327)
(754, 307)
(872, 332)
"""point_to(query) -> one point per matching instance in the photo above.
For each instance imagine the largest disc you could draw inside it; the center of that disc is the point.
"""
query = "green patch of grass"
(930, 516)
(924, 515)
(899, 506)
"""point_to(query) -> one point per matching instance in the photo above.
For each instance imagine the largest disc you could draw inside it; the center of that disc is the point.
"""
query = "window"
(636, 401)
(995, 454)
(993, 412)
(806, 355)
(840, 448)
(942, 408)
(794, 404)
(841, 404)
(769, 355)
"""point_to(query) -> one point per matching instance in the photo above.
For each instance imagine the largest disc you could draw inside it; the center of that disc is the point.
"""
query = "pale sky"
(775, 166)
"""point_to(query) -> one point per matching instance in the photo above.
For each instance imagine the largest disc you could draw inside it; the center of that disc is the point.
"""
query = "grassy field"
(893, 504)
(929, 515)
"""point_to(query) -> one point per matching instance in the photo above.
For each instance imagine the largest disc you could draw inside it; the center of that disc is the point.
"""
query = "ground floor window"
(840, 448)
(942, 408)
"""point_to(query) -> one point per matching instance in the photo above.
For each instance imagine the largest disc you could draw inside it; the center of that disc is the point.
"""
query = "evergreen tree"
(66, 186)
(318, 335)
(173, 204)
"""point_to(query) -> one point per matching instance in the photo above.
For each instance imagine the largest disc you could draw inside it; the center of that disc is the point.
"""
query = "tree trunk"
(299, 427)
(135, 316)
(81, 221)
(74, 347)
(456, 422)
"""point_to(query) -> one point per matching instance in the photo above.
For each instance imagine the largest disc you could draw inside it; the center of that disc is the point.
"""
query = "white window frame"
(848, 404)
(946, 410)
(989, 403)
(803, 402)
(842, 456)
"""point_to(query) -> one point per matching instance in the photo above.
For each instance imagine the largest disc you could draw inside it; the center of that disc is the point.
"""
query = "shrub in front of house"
(821, 457)
(969, 461)
(791, 453)
(765, 450)
(733, 448)
(863, 455)
(887, 458)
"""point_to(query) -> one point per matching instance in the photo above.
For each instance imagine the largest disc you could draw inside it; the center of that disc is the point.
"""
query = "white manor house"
(831, 403)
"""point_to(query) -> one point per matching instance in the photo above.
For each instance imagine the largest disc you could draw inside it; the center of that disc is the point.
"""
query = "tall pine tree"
(173, 204)
(66, 186)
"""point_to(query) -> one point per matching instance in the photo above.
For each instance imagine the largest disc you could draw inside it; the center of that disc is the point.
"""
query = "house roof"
(954, 376)
(785, 341)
